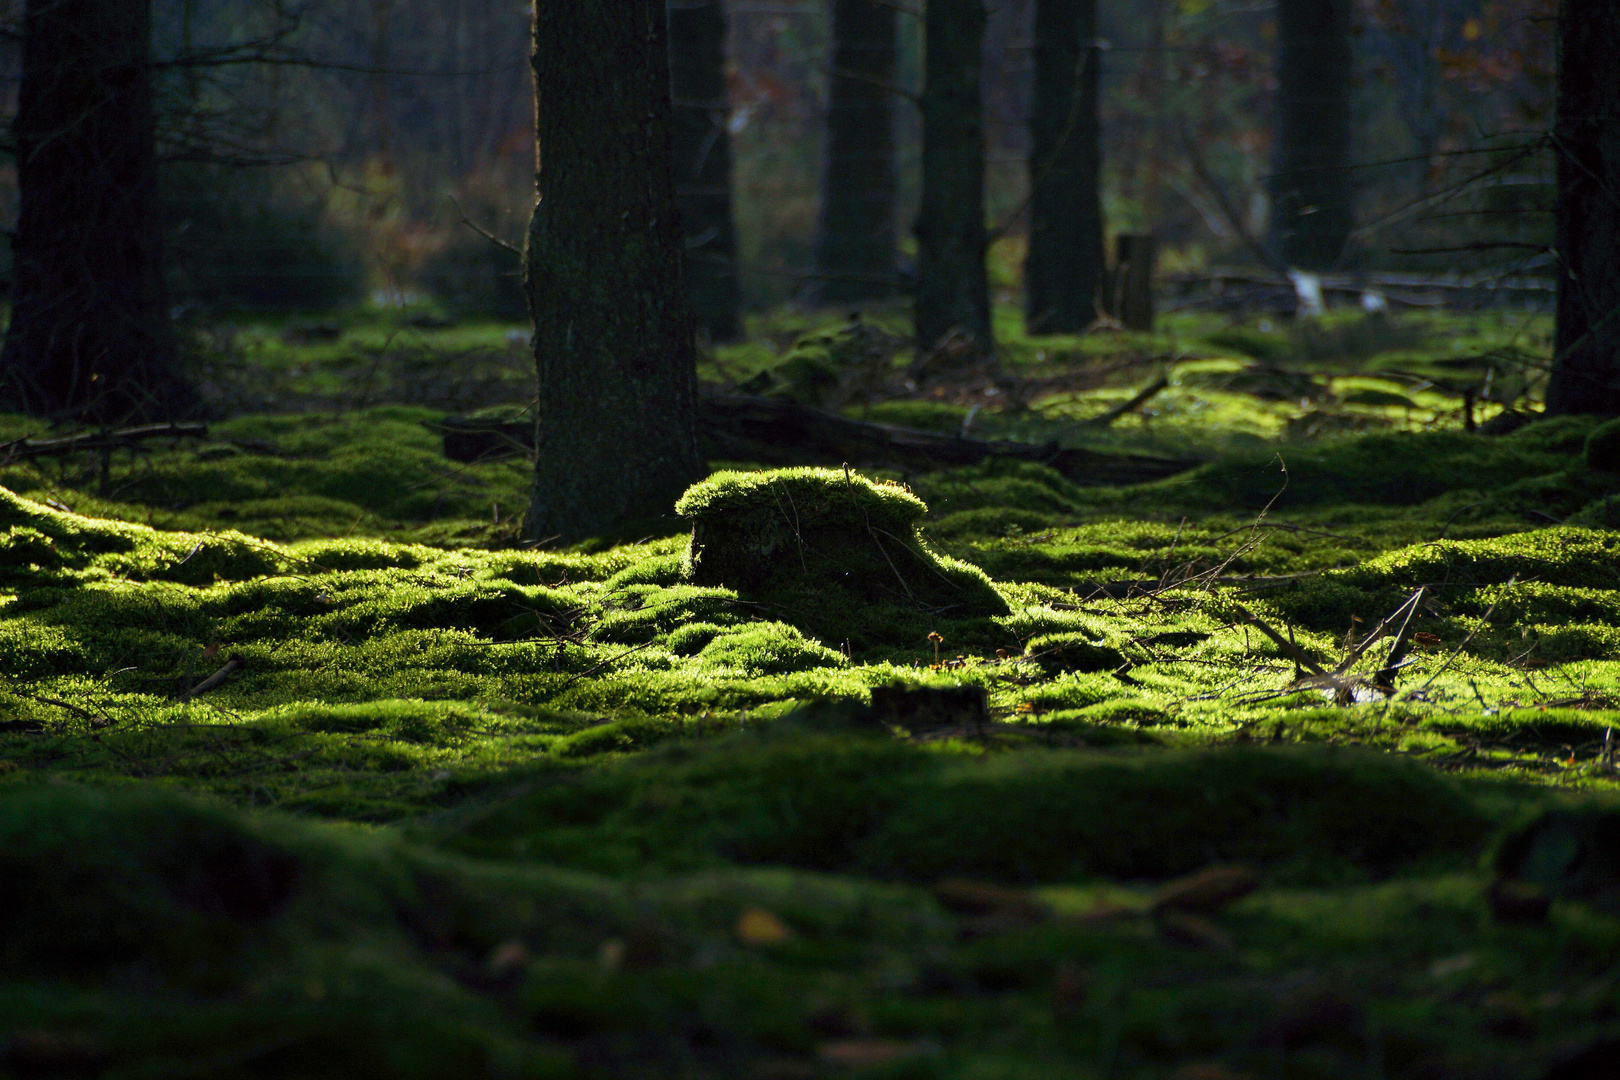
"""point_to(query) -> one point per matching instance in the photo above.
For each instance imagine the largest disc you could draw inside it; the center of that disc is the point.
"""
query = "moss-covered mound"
(841, 801)
(820, 543)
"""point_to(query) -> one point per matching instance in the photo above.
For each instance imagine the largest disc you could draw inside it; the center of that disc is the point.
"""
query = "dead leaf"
(861, 1053)
(756, 926)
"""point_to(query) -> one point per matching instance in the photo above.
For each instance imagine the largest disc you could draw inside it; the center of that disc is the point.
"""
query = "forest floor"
(456, 806)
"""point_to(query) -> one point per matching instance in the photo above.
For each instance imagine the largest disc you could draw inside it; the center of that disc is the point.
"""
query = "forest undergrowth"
(1297, 764)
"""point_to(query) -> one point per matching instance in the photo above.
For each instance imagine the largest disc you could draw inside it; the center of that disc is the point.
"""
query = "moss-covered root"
(789, 532)
(39, 543)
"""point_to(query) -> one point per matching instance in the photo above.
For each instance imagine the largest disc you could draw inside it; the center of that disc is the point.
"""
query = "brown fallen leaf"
(507, 957)
(861, 1053)
(1207, 892)
(756, 926)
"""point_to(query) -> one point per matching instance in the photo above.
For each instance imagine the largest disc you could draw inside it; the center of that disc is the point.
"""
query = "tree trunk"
(90, 336)
(952, 291)
(1065, 263)
(702, 147)
(855, 235)
(613, 344)
(1586, 373)
(1311, 182)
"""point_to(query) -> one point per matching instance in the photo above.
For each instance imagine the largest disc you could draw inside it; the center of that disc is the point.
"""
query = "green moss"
(1603, 448)
(767, 649)
(816, 545)
(1057, 653)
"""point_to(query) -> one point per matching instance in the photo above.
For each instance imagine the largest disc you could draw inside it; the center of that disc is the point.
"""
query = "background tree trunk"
(1586, 374)
(1065, 261)
(855, 234)
(702, 148)
(90, 336)
(1311, 183)
(615, 434)
(952, 290)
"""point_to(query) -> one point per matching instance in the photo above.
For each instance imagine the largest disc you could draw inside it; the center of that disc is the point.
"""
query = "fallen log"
(30, 447)
(774, 432)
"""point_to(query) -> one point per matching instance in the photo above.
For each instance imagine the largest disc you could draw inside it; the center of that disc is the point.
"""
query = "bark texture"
(1311, 182)
(613, 339)
(1586, 373)
(952, 290)
(855, 234)
(89, 337)
(1065, 264)
(702, 149)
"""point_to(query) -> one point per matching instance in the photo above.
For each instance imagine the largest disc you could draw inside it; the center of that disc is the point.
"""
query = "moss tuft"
(817, 541)
(1603, 448)
(1057, 653)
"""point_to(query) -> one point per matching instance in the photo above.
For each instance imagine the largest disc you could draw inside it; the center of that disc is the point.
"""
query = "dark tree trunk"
(1586, 373)
(613, 345)
(855, 235)
(952, 290)
(90, 336)
(1065, 263)
(1311, 182)
(702, 142)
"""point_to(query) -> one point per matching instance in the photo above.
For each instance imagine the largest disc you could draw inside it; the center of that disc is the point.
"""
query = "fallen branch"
(1142, 398)
(776, 432)
(29, 447)
(1289, 649)
(235, 663)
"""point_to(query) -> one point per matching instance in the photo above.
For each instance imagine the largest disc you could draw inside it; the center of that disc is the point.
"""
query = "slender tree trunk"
(1311, 183)
(1065, 262)
(952, 291)
(615, 434)
(697, 63)
(1586, 373)
(855, 234)
(90, 336)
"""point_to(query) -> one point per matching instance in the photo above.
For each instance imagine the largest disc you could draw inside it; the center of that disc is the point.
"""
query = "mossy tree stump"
(791, 534)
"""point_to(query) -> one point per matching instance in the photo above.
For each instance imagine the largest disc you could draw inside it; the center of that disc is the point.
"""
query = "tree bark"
(1065, 263)
(855, 234)
(702, 149)
(1586, 371)
(952, 290)
(89, 337)
(1311, 182)
(613, 343)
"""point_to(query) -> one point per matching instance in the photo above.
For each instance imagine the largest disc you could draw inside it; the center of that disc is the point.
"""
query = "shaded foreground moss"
(603, 764)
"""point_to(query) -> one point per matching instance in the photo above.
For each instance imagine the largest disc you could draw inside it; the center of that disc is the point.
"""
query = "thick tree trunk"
(1065, 263)
(952, 291)
(90, 336)
(855, 235)
(1311, 182)
(702, 148)
(612, 325)
(1586, 373)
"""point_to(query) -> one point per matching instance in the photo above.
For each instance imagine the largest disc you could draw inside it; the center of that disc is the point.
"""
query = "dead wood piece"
(1126, 590)
(235, 663)
(1142, 397)
(777, 432)
(1289, 649)
(29, 447)
(1208, 892)
(763, 429)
